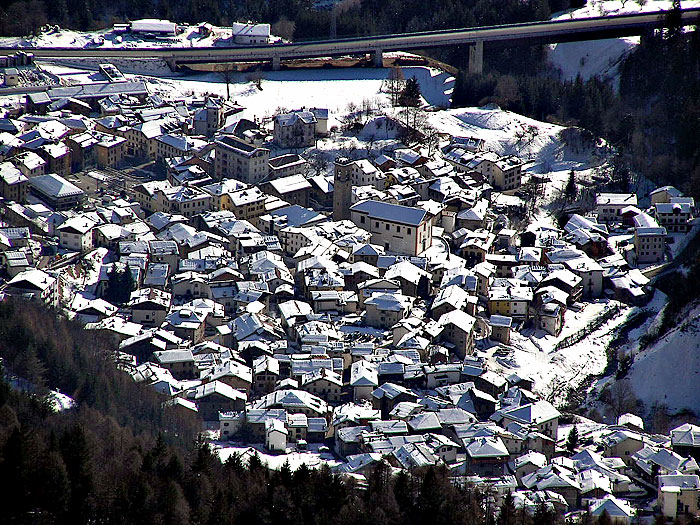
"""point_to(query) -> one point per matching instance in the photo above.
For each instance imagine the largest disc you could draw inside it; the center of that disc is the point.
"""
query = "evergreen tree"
(572, 440)
(120, 284)
(570, 190)
(411, 93)
(508, 513)
(544, 515)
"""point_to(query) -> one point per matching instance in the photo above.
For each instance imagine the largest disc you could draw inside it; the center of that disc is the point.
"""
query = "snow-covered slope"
(669, 371)
(601, 57)
(508, 133)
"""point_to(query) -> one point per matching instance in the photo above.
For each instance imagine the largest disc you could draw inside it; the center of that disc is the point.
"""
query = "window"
(387, 227)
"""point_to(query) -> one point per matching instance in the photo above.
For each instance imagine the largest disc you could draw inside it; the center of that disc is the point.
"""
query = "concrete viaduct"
(526, 33)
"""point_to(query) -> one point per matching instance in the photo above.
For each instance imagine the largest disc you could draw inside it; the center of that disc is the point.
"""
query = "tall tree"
(572, 440)
(410, 95)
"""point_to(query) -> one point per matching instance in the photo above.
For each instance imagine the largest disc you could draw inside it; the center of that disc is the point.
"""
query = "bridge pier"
(377, 57)
(276, 63)
(476, 58)
(171, 63)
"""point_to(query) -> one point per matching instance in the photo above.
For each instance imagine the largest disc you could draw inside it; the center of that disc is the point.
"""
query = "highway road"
(532, 32)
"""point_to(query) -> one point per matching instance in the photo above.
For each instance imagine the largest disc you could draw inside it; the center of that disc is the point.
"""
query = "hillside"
(601, 57)
(668, 371)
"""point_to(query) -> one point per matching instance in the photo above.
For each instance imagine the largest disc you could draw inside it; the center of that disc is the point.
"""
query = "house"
(266, 373)
(275, 435)
(590, 271)
(442, 374)
(387, 396)
(324, 383)
(452, 297)
(13, 183)
(246, 204)
(34, 284)
(685, 440)
(294, 189)
(294, 402)
(673, 216)
(29, 163)
(187, 323)
(550, 318)
(285, 165)
(214, 397)
(500, 328)
(679, 494)
(487, 456)
(458, 331)
(385, 309)
(152, 26)
(541, 416)
(295, 130)
(363, 379)
(231, 373)
(619, 511)
(664, 194)
(398, 229)
(180, 363)
(527, 464)
(649, 239)
(149, 306)
(237, 159)
(609, 206)
(510, 301)
(250, 34)
(76, 234)
(558, 479)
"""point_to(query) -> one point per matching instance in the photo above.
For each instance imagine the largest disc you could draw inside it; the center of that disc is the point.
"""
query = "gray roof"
(54, 186)
(390, 212)
(98, 90)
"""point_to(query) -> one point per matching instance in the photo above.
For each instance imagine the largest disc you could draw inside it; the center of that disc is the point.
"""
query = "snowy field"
(602, 57)
(312, 458)
(330, 88)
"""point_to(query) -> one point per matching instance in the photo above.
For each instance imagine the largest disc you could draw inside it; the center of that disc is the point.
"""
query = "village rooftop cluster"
(356, 306)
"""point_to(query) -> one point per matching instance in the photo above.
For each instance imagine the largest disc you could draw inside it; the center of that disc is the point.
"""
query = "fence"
(583, 332)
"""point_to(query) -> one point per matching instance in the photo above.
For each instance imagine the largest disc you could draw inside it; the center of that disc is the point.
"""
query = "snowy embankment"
(602, 57)
(668, 371)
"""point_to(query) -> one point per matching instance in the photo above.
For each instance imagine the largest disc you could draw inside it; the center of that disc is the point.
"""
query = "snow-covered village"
(333, 267)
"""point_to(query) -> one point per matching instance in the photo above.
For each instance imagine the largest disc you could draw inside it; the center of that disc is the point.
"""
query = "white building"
(76, 234)
(396, 228)
(649, 239)
(251, 34)
(609, 206)
(152, 26)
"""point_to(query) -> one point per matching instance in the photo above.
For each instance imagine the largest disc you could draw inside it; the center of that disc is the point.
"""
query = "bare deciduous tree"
(620, 398)
(394, 84)
(225, 72)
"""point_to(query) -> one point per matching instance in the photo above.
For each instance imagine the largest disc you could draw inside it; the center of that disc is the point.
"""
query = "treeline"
(353, 17)
(49, 352)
